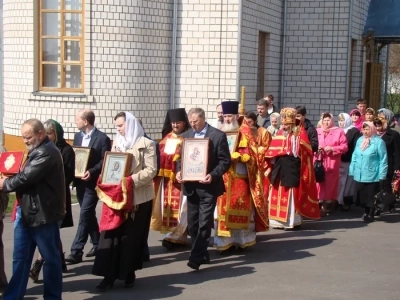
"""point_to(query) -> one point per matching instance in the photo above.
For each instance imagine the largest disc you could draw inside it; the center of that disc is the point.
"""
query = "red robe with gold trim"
(244, 192)
(167, 220)
(305, 195)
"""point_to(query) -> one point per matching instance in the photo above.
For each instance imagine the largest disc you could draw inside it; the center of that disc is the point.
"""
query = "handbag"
(384, 199)
(319, 169)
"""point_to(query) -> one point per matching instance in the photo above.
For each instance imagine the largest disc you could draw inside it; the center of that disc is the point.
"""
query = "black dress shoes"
(105, 284)
(193, 265)
(74, 259)
(130, 281)
(92, 252)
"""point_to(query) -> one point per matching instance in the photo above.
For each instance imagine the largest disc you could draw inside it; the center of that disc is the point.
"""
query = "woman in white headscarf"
(127, 207)
(346, 183)
(275, 119)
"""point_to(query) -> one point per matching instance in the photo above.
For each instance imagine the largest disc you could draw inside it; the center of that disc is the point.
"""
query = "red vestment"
(305, 195)
(166, 187)
(245, 192)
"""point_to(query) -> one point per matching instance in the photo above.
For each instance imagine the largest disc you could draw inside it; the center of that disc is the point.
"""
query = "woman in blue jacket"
(369, 168)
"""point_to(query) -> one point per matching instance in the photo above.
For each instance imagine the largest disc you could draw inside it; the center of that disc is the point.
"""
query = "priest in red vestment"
(242, 210)
(170, 206)
(293, 194)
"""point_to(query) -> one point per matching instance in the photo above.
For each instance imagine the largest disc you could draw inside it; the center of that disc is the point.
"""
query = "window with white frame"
(61, 45)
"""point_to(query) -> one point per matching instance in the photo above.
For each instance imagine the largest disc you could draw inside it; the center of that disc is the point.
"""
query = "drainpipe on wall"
(386, 75)
(349, 42)
(1, 74)
(283, 53)
(239, 52)
(173, 54)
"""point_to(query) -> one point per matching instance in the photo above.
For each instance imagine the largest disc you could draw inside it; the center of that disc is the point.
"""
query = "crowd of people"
(260, 173)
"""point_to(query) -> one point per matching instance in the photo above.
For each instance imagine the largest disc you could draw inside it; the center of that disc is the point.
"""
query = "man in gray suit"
(202, 195)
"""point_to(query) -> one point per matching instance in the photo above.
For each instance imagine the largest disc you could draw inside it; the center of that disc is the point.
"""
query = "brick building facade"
(113, 56)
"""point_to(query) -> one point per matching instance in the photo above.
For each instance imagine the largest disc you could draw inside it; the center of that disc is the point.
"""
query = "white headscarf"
(133, 132)
(348, 123)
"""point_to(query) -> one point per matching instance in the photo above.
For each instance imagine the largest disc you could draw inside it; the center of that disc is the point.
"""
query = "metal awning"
(384, 20)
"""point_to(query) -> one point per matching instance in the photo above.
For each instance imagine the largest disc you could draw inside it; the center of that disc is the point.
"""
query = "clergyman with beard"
(40, 190)
(242, 210)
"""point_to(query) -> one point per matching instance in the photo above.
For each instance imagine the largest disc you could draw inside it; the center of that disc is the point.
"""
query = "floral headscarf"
(365, 143)
(359, 123)
(388, 115)
(331, 124)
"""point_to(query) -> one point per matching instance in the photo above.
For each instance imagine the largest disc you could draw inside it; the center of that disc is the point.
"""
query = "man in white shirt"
(99, 142)
(218, 122)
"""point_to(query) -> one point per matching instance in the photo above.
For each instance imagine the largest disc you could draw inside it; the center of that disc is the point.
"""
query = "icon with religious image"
(194, 159)
(232, 139)
(10, 162)
(81, 160)
(116, 165)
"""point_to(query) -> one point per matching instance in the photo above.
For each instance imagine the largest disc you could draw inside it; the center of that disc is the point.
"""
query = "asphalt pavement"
(338, 257)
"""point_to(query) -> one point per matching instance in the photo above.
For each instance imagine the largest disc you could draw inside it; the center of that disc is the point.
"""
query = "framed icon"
(82, 155)
(116, 165)
(11, 162)
(232, 140)
(194, 159)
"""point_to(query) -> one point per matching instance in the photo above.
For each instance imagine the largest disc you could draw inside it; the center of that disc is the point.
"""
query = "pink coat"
(336, 138)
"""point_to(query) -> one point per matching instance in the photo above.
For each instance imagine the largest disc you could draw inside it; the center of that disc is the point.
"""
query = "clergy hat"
(230, 107)
(288, 116)
(174, 115)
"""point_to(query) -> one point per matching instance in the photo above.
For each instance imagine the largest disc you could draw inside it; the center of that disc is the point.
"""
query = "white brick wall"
(127, 65)
(128, 58)
(206, 53)
(266, 16)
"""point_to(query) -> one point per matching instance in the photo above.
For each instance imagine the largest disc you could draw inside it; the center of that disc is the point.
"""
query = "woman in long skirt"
(332, 144)
(369, 168)
(346, 183)
(127, 206)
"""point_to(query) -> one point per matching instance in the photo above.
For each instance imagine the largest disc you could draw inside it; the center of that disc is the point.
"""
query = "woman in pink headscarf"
(332, 144)
(369, 168)
(357, 118)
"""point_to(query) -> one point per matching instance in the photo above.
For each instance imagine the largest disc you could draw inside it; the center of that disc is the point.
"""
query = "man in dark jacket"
(202, 195)
(40, 189)
(99, 143)
(310, 129)
(265, 107)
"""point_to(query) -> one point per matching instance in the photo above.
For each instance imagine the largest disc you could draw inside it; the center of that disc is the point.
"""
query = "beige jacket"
(144, 169)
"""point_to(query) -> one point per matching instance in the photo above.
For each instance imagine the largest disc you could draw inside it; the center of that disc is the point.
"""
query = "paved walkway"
(339, 257)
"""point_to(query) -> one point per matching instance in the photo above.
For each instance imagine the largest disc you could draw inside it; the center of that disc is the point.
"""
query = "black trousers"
(88, 226)
(201, 207)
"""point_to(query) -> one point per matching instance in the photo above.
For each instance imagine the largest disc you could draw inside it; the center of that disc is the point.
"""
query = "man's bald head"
(87, 115)
(84, 119)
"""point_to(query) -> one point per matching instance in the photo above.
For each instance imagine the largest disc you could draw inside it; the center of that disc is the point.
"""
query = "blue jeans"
(47, 238)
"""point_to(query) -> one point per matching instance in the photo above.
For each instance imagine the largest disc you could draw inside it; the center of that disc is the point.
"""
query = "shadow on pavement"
(154, 287)
(168, 285)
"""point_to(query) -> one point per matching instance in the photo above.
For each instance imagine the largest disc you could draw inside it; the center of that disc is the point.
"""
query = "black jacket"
(219, 161)
(352, 135)
(312, 134)
(267, 118)
(99, 144)
(68, 156)
(40, 186)
(392, 141)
